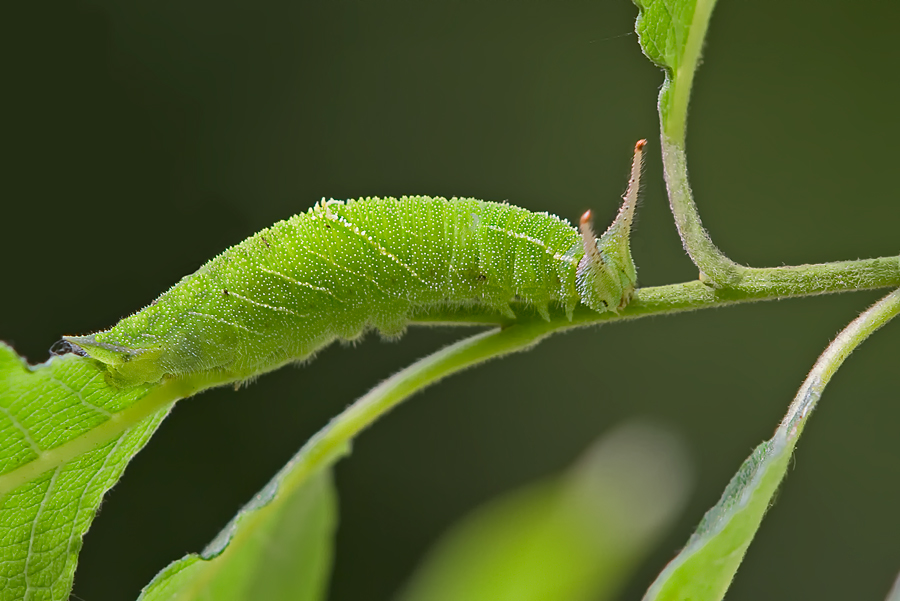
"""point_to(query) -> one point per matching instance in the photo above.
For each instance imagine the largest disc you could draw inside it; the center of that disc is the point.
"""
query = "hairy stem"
(706, 566)
(160, 398)
(714, 266)
(674, 97)
(676, 92)
(325, 446)
(755, 284)
(833, 357)
(328, 443)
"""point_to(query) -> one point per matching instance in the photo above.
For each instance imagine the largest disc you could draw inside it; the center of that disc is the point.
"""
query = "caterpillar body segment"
(342, 268)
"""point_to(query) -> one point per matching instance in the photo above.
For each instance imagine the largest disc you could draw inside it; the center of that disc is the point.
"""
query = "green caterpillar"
(342, 268)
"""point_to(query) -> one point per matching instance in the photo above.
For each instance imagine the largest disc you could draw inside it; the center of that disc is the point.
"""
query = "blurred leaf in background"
(573, 537)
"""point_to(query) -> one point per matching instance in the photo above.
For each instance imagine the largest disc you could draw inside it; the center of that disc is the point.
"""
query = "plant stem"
(714, 266)
(158, 399)
(674, 97)
(755, 284)
(706, 565)
(328, 443)
(676, 92)
(833, 357)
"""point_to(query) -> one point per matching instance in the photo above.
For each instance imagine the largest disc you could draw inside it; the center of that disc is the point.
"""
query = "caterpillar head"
(127, 366)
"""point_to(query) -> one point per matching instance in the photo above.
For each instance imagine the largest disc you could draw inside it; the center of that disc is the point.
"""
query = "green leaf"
(704, 569)
(570, 538)
(671, 34)
(65, 438)
(894, 594)
(279, 546)
(208, 576)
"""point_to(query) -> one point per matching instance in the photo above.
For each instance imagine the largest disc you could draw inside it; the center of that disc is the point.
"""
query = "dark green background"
(141, 138)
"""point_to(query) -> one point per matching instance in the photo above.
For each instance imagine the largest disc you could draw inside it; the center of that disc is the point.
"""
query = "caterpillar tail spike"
(607, 265)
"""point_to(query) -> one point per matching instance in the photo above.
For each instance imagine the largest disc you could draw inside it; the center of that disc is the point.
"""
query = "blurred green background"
(141, 138)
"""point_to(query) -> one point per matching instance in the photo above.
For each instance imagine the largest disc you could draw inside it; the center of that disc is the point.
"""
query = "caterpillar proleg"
(342, 268)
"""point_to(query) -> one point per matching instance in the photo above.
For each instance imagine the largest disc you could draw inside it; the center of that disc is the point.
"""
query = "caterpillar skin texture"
(343, 268)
